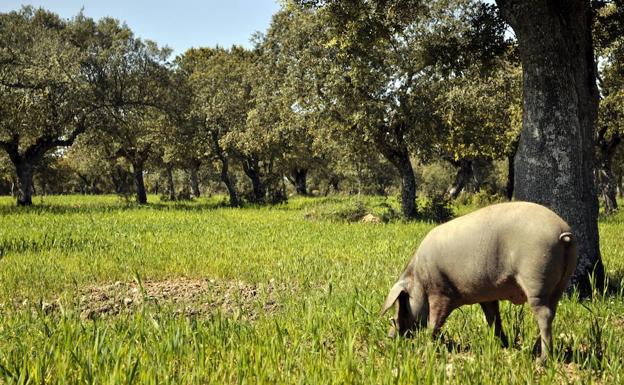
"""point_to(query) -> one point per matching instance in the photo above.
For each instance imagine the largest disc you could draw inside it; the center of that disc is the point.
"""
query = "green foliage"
(434, 178)
(353, 210)
(484, 198)
(329, 281)
(436, 208)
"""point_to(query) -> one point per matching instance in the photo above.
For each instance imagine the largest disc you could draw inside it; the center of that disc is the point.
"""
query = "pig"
(516, 251)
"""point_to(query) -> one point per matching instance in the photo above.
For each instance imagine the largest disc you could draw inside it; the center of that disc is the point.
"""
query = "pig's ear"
(396, 290)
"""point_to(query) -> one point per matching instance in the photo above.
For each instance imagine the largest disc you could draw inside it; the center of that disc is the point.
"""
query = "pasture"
(95, 291)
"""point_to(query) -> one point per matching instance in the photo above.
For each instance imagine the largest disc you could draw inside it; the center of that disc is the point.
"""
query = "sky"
(178, 24)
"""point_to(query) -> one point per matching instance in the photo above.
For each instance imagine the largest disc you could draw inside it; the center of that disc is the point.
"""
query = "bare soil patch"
(198, 297)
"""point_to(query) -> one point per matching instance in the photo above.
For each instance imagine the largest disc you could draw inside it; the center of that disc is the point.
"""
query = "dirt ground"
(199, 297)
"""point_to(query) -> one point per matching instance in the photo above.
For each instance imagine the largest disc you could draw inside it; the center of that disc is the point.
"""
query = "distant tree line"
(365, 96)
(318, 104)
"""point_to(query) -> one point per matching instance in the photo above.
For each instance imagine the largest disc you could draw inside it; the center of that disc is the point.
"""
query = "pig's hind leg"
(493, 317)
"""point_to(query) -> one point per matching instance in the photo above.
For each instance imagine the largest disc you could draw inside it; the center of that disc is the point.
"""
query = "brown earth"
(200, 297)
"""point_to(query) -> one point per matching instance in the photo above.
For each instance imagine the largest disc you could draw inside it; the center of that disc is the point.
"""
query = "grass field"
(95, 291)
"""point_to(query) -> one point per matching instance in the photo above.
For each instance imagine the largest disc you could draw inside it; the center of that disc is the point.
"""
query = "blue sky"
(179, 24)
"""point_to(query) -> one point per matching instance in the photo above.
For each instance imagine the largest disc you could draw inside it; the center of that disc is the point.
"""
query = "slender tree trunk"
(137, 171)
(479, 173)
(461, 178)
(227, 180)
(24, 171)
(400, 160)
(608, 189)
(408, 189)
(170, 183)
(511, 172)
(251, 169)
(607, 182)
(299, 180)
(554, 164)
(620, 186)
(397, 154)
(193, 171)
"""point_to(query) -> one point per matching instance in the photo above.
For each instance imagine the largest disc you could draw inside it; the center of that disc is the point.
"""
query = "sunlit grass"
(333, 277)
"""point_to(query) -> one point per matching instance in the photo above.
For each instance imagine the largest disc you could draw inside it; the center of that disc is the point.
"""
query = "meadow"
(97, 291)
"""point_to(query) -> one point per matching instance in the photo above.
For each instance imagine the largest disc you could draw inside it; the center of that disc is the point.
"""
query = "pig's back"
(479, 254)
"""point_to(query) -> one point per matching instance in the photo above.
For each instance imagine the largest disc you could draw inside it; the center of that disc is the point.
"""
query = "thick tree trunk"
(193, 171)
(555, 160)
(299, 180)
(137, 171)
(170, 183)
(464, 170)
(24, 183)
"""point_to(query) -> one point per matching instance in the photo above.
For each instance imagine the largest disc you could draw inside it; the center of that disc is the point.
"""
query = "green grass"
(332, 277)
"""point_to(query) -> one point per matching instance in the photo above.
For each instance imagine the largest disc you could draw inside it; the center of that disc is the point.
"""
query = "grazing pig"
(518, 251)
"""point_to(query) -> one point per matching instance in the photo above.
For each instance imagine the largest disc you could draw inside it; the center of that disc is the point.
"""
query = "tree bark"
(464, 170)
(170, 183)
(299, 180)
(606, 180)
(401, 160)
(193, 171)
(252, 170)
(511, 176)
(408, 189)
(511, 172)
(137, 171)
(555, 160)
(608, 189)
(394, 148)
(225, 178)
(24, 183)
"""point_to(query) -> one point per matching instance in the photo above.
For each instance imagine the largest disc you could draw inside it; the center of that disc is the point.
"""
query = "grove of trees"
(520, 99)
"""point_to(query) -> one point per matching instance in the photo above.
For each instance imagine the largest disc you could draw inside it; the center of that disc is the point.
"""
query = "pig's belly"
(505, 288)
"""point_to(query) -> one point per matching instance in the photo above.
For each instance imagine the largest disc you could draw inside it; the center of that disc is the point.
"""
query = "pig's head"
(412, 307)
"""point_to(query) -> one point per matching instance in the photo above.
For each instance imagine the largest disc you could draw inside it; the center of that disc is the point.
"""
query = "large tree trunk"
(24, 183)
(555, 160)
(137, 171)
(464, 170)
(170, 183)
(299, 180)
(193, 170)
